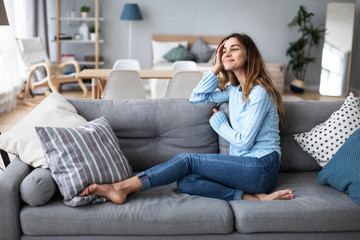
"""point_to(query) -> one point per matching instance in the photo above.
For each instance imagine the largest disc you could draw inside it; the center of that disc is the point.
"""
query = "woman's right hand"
(218, 63)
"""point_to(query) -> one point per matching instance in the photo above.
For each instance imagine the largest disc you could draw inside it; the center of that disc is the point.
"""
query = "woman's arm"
(256, 111)
(206, 90)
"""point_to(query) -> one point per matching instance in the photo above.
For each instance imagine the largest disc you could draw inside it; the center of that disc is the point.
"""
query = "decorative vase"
(297, 86)
(84, 31)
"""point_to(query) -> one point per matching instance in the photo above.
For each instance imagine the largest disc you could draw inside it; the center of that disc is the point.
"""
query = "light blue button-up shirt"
(254, 126)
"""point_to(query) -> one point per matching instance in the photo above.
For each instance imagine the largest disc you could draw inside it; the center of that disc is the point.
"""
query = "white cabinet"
(61, 22)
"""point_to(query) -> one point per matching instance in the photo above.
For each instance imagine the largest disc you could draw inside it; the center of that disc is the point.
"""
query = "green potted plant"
(92, 33)
(84, 10)
(299, 51)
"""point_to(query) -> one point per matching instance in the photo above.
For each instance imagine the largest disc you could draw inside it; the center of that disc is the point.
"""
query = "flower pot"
(84, 14)
(297, 86)
(92, 36)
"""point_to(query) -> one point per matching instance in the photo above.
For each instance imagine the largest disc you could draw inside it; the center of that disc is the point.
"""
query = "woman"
(256, 111)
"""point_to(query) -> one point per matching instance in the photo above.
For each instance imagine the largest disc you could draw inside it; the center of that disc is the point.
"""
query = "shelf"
(67, 29)
(79, 41)
(77, 19)
(89, 63)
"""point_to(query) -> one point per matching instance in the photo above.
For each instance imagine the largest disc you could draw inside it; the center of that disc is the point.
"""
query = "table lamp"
(3, 16)
(130, 13)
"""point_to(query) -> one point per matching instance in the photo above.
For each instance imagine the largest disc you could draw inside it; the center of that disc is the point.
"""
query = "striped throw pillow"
(81, 156)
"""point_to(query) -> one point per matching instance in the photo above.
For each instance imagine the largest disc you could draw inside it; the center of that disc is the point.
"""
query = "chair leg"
(54, 87)
(27, 90)
(83, 87)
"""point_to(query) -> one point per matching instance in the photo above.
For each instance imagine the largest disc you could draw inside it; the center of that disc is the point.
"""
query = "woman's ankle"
(129, 185)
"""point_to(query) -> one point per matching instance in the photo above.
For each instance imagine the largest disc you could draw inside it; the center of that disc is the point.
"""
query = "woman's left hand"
(214, 111)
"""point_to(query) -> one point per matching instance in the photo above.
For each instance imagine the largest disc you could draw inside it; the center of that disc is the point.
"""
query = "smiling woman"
(255, 110)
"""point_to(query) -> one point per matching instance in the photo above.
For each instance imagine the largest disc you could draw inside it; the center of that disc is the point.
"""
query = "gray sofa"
(153, 131)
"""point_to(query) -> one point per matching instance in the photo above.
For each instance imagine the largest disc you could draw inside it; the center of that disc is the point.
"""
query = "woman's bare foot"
(116, 192)
(110, 191)
(278, 195)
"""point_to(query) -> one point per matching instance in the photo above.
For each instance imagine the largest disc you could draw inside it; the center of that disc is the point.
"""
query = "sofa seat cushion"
(316, 208)
(159, 211)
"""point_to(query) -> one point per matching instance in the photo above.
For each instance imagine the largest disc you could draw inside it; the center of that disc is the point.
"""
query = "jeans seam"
(265, 176)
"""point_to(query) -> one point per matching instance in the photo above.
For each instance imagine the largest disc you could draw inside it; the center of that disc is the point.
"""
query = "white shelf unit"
(96, 43)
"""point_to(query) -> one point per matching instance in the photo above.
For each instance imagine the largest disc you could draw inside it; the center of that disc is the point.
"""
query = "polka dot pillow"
(325, 139)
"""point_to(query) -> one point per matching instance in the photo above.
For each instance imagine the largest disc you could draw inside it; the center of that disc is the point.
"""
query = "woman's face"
(234, 55)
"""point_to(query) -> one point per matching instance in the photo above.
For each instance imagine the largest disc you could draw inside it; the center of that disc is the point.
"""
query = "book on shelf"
(67, 57)
(63, 37)
(92, 58)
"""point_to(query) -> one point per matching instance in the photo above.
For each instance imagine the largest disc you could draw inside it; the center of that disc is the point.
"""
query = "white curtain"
(12, 74)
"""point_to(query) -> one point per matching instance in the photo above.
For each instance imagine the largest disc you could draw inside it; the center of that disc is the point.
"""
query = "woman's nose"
(227, 53)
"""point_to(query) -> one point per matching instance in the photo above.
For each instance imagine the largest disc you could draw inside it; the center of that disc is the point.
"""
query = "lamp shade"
(131, 11)
(3, 16)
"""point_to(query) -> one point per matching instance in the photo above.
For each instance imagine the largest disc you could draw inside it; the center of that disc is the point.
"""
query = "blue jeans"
(213, 175)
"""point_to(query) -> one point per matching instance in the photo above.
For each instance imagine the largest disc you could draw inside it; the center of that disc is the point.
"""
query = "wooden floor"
(9, 119)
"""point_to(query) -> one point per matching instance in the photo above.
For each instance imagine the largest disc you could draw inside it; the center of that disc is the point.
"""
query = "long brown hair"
(255, 74)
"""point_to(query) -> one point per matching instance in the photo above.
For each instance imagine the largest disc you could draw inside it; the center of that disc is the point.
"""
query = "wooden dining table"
(100, 76)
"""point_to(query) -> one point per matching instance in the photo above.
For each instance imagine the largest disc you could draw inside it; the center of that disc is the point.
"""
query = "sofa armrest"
(10, 181)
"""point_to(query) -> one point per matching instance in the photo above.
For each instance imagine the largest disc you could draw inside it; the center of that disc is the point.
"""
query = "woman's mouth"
(228, 60)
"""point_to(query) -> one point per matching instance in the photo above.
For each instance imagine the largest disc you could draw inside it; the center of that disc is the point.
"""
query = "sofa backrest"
(301, 116)
(153, 131)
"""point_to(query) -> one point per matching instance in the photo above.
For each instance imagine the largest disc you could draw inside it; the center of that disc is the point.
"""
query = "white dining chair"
(184, 65)
(158, 87)
(124, 84)
(182, 84)
(126, 64)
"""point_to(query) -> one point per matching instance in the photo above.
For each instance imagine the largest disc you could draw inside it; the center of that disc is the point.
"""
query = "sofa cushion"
(153, 131)
(82, 156)
(179, 53)
(159, 48)
(316, 208)
(342, 172)
(159, 211)
(38, 187)
(202, 51)
(224, 146)
(22, 140)
(300, 118)
(326, 138)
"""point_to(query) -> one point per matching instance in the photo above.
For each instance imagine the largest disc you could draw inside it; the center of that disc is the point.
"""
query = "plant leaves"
(310, 36)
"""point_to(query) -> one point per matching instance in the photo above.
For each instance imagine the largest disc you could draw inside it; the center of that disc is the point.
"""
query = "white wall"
(264, 20)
